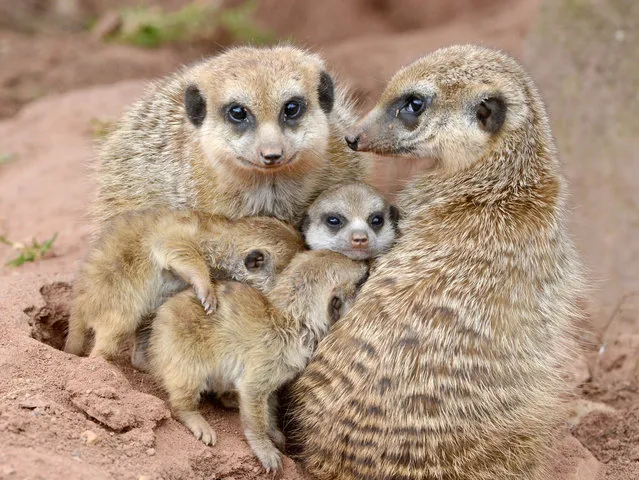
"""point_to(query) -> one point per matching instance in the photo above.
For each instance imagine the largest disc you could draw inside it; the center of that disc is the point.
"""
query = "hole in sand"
(49, 323)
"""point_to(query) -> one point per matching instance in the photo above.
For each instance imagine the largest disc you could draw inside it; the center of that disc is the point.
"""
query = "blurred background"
(69, 67)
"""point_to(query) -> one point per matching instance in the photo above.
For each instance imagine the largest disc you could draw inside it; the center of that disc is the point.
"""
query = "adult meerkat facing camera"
(252, 131)
(449, 364)
(353, 219)
(252, 344)
(144, 257)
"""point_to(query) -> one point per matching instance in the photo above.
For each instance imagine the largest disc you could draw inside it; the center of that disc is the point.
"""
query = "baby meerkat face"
(262, 110)
(452, 105)
(353, 219)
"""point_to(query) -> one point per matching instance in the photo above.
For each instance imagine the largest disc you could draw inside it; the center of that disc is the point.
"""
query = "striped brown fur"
(449, 364)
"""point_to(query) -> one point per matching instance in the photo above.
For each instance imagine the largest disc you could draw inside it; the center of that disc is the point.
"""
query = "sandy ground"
(73, 418)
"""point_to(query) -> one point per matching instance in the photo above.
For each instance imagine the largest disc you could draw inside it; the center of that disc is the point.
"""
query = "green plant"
(152, 27)
(101, 128)
(28, 253)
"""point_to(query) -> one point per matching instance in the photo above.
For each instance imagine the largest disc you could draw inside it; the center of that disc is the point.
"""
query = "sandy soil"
(70, 418)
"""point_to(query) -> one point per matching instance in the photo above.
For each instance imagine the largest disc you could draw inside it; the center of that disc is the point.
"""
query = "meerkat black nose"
(352, 141)
(359, 240)
(271, 158)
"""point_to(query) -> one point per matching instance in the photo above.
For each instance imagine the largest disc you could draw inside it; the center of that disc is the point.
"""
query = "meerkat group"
(446, 364)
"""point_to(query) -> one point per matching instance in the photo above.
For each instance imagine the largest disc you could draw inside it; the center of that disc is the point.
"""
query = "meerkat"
(252, 344)
(144, 257)
(252, 131)
(448, 365)
(353, 219)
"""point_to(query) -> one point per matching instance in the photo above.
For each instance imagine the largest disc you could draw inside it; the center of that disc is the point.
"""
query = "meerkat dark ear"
(491, 114)
(393, 212)
(306, 222)
(195, 105)
(326, 92)
(255, 260)
(335, 305)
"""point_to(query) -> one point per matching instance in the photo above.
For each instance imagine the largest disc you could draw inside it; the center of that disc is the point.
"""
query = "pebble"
(90, 437)
(150, 452)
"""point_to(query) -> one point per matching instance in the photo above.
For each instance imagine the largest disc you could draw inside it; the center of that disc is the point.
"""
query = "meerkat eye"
(333, 221)
(293, 109)
(414, 105)
(237, 113)
(376, 220)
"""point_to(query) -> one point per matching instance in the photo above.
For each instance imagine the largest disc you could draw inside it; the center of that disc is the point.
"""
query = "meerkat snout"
(353, 219)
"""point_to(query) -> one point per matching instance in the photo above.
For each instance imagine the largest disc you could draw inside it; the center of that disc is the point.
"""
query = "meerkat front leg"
(273, 430)
(184, 404)
(185, 258)
(255, 413)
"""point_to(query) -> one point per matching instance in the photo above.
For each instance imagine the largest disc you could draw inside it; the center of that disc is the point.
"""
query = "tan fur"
(253, 344)
(144, 257)
(157, 157)
(449, 364)
(354, 204)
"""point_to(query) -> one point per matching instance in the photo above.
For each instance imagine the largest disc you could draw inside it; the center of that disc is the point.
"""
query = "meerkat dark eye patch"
(408, 108)
(326, 92)
(292, 111)
(491, 114)
(195, 105)
(334, 221)
(255, 260)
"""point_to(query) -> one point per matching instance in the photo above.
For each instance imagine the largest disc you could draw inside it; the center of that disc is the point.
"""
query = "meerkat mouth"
(268, 168)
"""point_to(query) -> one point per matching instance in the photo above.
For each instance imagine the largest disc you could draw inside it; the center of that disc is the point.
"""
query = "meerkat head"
(457, 105)
(353, 219)
(261, 110)
(318, 286)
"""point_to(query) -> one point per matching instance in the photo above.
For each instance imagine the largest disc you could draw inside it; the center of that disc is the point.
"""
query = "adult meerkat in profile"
(449, 364)
(252, 131)
(252, 344)
(353, 219)
(144, 257)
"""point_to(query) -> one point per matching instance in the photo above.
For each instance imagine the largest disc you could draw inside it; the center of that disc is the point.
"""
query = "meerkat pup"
(448, 365)
(353, 219)
(144, 257)
(252, 344)
(252, 131)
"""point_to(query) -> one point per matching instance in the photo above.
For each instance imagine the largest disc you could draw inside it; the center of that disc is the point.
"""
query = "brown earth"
(69, 418)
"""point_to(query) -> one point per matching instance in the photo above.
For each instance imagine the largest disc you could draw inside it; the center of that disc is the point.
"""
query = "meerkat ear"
(255, 259)
(335, 305)
(394, 214)
(491, 114)
(306, 223)
(195, 105)
(326, 92)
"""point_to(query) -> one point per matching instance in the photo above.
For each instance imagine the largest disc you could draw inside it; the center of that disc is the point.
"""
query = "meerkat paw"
(229, 400)
(208, 300)
(270, 458)
(278, 438)
(200, 428)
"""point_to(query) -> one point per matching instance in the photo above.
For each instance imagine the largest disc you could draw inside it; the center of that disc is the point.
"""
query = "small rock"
(89, 437)
(144, 477)
(33, 402)
(7, 470)
(150, 452)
